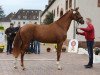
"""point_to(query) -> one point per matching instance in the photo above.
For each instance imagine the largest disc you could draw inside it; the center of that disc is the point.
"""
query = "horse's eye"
(76, 13)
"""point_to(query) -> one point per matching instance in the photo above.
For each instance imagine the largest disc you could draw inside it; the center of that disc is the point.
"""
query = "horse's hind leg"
(24, 47)
(59, 46)
(22, 61)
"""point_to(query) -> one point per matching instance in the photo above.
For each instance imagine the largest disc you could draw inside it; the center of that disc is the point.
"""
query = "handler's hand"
(77, 28)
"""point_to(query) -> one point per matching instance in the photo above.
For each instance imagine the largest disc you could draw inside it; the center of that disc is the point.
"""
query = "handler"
(89, 34)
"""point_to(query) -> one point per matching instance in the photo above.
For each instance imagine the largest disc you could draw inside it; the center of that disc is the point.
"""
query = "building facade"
(5, 22)
(22, 17)
(88, 8)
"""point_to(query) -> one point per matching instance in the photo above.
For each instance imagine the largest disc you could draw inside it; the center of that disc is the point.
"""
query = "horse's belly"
(47, 39)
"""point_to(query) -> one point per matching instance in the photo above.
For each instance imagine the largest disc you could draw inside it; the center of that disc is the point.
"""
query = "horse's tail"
(17, 45)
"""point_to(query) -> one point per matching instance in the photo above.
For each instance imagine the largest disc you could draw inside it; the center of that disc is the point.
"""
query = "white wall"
(27, 21)
(89, 8)
(61, 4)
(5, 24)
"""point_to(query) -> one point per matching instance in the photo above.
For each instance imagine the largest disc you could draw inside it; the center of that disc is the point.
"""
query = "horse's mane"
(64, 15)
(60, 17)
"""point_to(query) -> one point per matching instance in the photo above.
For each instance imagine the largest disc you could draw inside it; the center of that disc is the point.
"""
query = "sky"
(14, 5)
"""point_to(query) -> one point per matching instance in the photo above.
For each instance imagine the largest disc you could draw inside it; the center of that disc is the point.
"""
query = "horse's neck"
(65, 22)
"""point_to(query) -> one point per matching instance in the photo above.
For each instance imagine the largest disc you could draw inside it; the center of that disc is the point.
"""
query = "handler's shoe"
(88, 66)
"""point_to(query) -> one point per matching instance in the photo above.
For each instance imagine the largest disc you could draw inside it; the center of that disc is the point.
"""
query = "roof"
(48, 7)
(7, 18)
(26, 15)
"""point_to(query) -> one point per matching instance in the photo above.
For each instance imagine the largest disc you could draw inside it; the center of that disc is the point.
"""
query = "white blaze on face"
(74, 12)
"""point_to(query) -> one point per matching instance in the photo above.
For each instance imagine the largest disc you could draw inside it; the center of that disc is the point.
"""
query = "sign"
(73, 46)
(2, 38)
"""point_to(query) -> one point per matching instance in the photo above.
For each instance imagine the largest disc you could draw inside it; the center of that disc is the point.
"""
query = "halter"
(79, 19)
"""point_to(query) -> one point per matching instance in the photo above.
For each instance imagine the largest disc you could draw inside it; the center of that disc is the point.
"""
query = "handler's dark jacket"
(10, 32)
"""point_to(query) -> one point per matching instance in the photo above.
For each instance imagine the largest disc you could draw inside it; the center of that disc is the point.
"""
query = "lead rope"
(77, 26)
(76, 32)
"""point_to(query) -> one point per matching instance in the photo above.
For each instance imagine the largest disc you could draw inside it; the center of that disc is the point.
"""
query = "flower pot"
(48, 49)
(96, 53)
(63, 49)
(1, 50)
(96, 59)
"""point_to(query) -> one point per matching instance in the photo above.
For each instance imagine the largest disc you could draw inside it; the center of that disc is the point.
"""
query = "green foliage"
(1, 13)
(1, 28)
(49, 18)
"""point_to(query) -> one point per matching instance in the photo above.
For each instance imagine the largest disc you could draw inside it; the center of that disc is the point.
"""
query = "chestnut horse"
(53, 33)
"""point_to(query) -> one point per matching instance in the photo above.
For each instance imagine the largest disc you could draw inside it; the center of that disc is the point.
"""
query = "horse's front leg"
(15, 63)
(22, 61)
(59, 46)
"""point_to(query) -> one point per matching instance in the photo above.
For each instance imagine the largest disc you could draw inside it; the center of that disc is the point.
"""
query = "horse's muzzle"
(81, 21)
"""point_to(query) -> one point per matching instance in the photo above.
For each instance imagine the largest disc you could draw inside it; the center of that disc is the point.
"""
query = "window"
(35, 22)
(61, 13)
(19, 17)
(14, 22)
(18, 22)
(34, 17)
(23, 22)
(70, 3)
(98, 3)
(24, 17)
(10, 18)
(36, 11)
(50, 1)
(54, 13)
(37, 17)
(66, 4)
(57, 10)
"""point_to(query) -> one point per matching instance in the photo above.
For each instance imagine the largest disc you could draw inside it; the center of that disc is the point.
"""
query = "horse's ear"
(70, 8)
(76, 9)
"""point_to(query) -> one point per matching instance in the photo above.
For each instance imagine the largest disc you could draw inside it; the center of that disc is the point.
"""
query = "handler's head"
(88, 20)
(11, 25)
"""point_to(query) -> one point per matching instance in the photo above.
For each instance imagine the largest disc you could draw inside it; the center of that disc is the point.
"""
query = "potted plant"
(48, 49)
(63, 49)
(1, 49)
(96, 50)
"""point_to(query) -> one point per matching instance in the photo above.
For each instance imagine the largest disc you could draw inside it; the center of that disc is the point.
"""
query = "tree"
(1, 13)
(49, 18)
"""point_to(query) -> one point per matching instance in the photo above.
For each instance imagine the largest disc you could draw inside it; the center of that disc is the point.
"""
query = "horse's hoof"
(15, 67)
(23, 69)
(59, 68)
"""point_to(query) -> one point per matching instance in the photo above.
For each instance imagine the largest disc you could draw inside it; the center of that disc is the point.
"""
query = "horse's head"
(77, 16)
